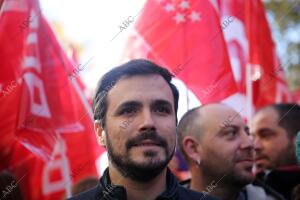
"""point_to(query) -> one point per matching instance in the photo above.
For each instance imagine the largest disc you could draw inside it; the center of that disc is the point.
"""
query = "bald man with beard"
(219, 151)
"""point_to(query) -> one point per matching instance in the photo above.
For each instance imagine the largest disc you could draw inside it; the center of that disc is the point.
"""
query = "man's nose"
(246, 141)
(146, 120)
(257, 144)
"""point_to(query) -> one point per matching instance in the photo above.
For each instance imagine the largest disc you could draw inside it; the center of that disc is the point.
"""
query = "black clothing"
(107, 191)
(282, 181)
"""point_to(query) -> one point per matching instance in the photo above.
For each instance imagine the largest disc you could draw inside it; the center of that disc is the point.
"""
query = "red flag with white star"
(186, 37)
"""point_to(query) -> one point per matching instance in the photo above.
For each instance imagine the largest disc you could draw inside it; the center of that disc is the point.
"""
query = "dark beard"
(286, 157)
(228, 176)
(135, 171)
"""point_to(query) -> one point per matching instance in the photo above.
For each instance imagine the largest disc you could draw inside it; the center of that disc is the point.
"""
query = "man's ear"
(190, 146)
(100, 133)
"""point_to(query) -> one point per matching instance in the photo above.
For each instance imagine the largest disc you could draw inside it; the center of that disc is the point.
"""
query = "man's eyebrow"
(226, 128)
(231, 126)
(162, 102)
(263, 130)
(128, 104)
(227, 123)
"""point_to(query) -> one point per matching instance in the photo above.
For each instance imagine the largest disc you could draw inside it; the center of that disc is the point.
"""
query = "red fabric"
(193, 49)
(249, 41)
(41, 180)
(272, 86)
(296, 96)
(42, 104)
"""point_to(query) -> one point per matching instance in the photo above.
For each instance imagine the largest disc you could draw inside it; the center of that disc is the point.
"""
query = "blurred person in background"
(274, 129)
(296, 190)
(178, 166)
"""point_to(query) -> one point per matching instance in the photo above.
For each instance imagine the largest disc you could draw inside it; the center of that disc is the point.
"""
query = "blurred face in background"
(273, 147)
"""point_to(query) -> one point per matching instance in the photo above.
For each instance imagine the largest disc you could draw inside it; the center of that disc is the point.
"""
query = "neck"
(213, 186)
(139, 190)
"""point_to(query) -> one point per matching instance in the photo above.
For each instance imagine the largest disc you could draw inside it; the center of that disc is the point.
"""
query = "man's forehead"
(139, 87)
(220, 113)
(217, 117)
(140, 81)
(269, 115)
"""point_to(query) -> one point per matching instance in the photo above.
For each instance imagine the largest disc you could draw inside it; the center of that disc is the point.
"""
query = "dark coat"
(106, 191)
(282, 181)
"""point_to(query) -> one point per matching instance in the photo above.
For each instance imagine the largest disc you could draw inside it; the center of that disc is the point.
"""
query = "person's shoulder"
(87, 195)
(185, 193)
(255, 192)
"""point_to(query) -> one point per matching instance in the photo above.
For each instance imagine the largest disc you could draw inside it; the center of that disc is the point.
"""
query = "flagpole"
(187, 74)
(249, 92)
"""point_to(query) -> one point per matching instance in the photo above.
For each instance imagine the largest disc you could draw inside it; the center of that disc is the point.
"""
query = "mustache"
(146, 135)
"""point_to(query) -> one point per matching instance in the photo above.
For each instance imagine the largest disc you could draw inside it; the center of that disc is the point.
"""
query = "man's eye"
(162, 109)
(266, 135)
(231, 133)
(127, 111)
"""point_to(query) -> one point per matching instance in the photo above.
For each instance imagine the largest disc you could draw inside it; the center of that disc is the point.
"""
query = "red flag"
(41, 180)
(296, 96)
(249, 41)
(43, 108)
(272, 86)
(186, 37)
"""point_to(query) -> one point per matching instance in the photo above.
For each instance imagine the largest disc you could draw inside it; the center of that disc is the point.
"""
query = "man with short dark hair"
(219, 151)
(274, 129)
(135, 108)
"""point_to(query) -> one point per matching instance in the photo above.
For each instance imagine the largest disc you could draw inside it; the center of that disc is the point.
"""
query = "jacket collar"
(107, 190)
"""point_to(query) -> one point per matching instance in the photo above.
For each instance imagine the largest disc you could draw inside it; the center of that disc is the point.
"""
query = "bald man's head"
(200, 120)
(190, 124)
(215, 139)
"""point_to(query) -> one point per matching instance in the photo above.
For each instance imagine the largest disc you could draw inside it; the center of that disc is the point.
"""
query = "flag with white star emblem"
(185, 37)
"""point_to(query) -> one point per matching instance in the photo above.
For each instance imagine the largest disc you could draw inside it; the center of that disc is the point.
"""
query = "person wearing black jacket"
(135, 108)
(274, 129)
(106, 190)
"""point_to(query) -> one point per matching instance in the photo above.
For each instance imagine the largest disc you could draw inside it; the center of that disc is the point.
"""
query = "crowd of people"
(226, 159)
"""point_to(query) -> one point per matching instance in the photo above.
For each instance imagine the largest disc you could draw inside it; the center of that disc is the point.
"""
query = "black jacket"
(106, 191)
(283, 181)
